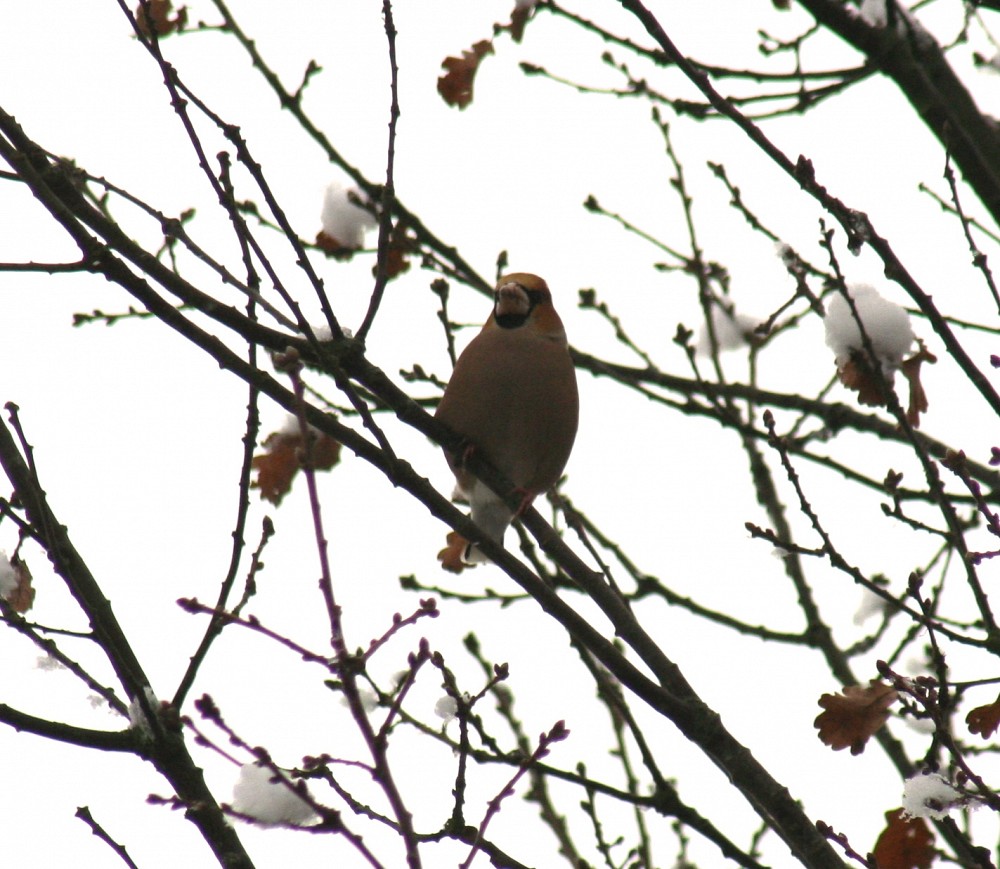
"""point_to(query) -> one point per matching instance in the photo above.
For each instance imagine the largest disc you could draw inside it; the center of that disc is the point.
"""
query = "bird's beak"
(512, 301)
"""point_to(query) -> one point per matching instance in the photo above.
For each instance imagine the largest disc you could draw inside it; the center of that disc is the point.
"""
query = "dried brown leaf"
(518, 19)
(455, 86)
(277, 467)
(333, 247)
(400, 246)
(852, 717)
(23, 595)
(856, 374)
(156, 17)
(905, 843)
(984, 720)
(911, 371)
(451, 556)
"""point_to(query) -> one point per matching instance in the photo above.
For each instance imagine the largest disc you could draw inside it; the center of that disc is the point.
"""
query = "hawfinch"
(513, 396)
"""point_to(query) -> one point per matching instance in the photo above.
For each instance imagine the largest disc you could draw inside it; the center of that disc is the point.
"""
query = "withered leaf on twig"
(857, 375)
(852, 717)
(277, 467)
(397, 253)
(518, 19)
(905, 843)
(156, 16)
(455, 86)
(451, 556)
(984, 720)
(911, 371)
(22, 596)
(334, 247)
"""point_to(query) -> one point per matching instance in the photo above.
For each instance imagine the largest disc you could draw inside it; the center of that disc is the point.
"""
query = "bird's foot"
(526, 498)
(466, 451)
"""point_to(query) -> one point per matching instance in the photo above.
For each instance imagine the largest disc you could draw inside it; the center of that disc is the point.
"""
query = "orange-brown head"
(522, 298)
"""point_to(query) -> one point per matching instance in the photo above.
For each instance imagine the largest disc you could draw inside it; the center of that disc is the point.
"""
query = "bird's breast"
(514, 396)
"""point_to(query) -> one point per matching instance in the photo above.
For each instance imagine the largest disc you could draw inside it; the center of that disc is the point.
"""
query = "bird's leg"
(466, 450)
(526, 498)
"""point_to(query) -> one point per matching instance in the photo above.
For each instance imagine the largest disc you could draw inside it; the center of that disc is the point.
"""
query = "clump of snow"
(920, 725)
(732, 330)
(291, 428)
(929, 795)
(260, 794)
(886, 324)
(137, 718)
(342, 220)
(47, 662)
(876, 13)
(368, 697)
(324, 333)
(870, 605)
(873, 12)
(786, 254)
(446, 707)
(859, 231)
(8, 576)
(990, 64)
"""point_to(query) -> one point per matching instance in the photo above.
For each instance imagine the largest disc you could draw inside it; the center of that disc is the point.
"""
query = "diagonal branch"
(856, 224)
(908, 54)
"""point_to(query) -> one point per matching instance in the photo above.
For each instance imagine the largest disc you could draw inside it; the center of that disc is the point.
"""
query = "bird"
(513, 398)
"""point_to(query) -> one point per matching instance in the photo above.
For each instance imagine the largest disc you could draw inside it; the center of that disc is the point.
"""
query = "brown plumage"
(513, 395)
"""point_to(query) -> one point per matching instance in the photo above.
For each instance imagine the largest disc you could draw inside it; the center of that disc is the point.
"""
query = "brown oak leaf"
(905, 843)
(984, 720)
(852, 717)
(911, 371)
(277, 467)
(455, 86)
(23, 595)
(334, 248)
(451, 556)
(399, 248)
(857, 375)
(156, 16)
(518, 19)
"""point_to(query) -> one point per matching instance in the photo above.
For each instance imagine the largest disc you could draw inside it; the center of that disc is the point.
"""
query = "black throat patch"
(515, 321)
(512, 321)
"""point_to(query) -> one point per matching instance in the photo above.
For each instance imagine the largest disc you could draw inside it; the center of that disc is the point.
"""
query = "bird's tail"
(491, 514)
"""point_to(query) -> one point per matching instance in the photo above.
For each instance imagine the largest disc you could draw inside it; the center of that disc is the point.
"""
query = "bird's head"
(523, 298)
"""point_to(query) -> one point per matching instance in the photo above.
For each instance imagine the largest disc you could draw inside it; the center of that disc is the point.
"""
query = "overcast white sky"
(137, 436)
